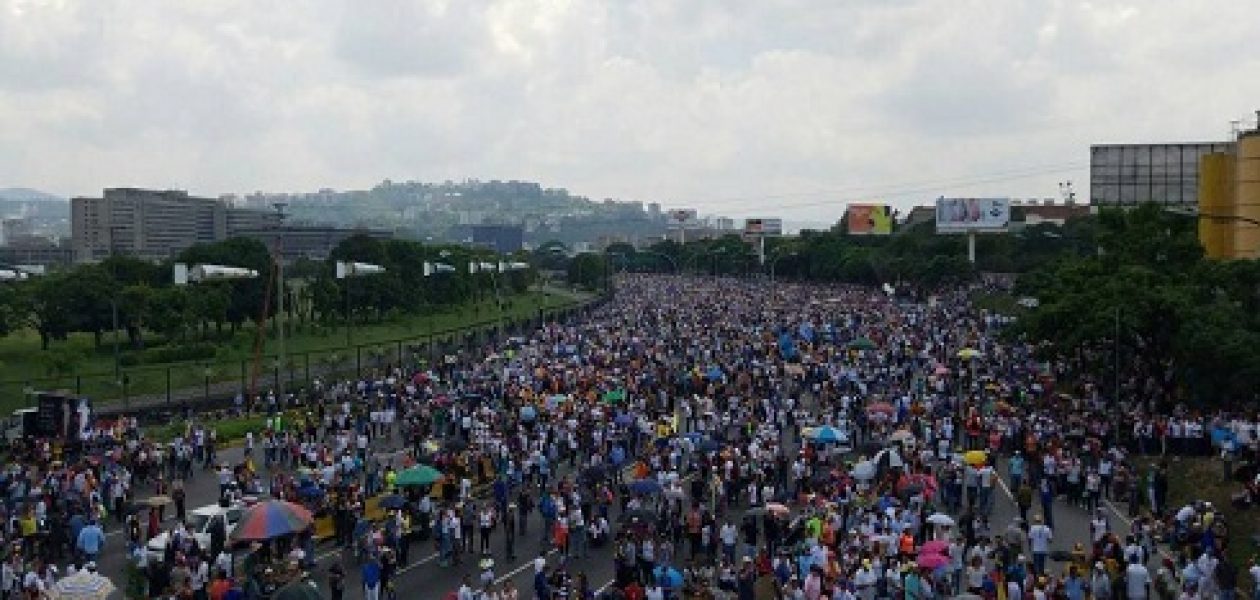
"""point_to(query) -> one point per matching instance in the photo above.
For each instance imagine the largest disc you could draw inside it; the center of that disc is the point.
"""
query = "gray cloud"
(743, 106)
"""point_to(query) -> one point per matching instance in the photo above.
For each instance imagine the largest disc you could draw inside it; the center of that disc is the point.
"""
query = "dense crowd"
(714, 438)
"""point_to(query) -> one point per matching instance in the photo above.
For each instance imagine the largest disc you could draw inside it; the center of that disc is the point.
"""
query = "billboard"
(763, 227)
(869, 219)
(960, 215)
(682, 217)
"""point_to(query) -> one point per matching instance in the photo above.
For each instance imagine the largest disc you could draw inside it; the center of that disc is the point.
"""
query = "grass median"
(1193, 479)
(79, 366)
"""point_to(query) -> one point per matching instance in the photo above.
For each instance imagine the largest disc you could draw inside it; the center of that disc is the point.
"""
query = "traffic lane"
(1071, 521)
(425, 575)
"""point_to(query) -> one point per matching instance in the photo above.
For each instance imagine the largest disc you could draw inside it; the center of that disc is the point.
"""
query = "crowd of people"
(710, 437)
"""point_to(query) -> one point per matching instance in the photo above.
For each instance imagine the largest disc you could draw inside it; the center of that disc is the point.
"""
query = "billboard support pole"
(971, 246)
(761, 250)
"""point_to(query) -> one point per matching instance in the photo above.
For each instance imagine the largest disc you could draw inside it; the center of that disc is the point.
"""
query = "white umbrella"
(941, 519)
(900, 435)
(864, 470)
(84, 585)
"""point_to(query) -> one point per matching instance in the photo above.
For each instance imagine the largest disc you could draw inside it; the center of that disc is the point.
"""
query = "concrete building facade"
(315, 243)
(154, 224)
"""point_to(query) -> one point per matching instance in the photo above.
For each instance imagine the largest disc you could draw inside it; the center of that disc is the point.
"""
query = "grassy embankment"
(23, 363)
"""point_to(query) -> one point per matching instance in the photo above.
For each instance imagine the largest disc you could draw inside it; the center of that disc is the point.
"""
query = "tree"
(51, 309)
(15, 308)
(1151, 311)
(169, 312)
(246, 297)
(210, 304)
(134, 305)
(589, 270)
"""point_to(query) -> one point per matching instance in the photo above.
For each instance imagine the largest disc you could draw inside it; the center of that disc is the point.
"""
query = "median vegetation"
(57, 330)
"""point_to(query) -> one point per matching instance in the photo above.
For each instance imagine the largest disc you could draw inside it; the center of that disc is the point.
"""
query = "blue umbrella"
(715, 372)
(826, 434)
(310, 491)
(528, 413)
(668, 576)
(710, 446)
(645, 487)
(392, 502)
(625, 419)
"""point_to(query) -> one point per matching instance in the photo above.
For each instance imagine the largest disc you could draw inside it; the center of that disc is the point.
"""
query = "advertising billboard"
(682, 216)
(763, 227)
(961, 215)
(869, 219)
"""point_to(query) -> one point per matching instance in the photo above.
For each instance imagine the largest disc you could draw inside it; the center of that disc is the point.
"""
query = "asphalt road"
(423, 574)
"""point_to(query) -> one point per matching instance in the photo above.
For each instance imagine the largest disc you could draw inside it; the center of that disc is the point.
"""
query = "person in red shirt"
(220, 586)
(634, 591)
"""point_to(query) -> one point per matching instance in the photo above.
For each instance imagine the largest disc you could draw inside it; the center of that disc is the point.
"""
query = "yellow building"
(1229, 200)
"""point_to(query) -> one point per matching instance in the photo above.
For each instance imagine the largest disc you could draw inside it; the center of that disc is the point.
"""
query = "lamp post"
(432, 269)
(184, 275)
(774, 261)
(113, 306)
(346, 270)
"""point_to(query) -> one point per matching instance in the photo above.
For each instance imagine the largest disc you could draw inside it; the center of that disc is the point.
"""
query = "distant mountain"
(27, 194)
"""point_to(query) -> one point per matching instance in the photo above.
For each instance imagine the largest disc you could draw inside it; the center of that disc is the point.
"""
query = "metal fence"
(176, 386)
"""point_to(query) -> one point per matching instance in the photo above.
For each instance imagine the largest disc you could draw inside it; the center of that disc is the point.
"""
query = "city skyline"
(730, 108)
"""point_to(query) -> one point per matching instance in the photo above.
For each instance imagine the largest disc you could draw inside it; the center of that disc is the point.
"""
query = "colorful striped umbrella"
(271, 519)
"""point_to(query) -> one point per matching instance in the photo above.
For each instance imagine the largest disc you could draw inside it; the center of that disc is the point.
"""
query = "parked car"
(199, 523)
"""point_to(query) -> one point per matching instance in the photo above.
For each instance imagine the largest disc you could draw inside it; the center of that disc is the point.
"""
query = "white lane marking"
(513, 572)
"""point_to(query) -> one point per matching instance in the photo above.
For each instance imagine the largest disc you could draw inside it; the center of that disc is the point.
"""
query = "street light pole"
(281, 317)
(774, 262)
(1116, 350)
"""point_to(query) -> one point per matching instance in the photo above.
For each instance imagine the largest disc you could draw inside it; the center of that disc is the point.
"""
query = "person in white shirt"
(1137, 581)
(1039, 538)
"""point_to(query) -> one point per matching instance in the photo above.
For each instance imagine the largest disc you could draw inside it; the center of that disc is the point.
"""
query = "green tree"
(589, 270)
(135, 303)
(170, 313)
(15, 308)
(246, 297)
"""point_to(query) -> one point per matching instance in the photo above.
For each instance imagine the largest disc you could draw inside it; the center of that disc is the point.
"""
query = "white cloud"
(737, 106)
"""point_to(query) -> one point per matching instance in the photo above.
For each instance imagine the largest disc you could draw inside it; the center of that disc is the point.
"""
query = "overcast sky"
(745, 107)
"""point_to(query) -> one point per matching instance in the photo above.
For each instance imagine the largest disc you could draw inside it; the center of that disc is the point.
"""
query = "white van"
(198, 522)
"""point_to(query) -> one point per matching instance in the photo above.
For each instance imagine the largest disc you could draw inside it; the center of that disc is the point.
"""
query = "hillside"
(28, 194)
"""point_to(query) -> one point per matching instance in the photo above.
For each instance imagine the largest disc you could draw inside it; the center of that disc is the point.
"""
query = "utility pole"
(1116, 348)
(281, 321)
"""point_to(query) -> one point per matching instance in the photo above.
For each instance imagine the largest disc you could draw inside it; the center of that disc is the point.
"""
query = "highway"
(425, 576)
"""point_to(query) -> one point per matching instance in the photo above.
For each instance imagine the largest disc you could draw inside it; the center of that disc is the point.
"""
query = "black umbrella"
(456, 445)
